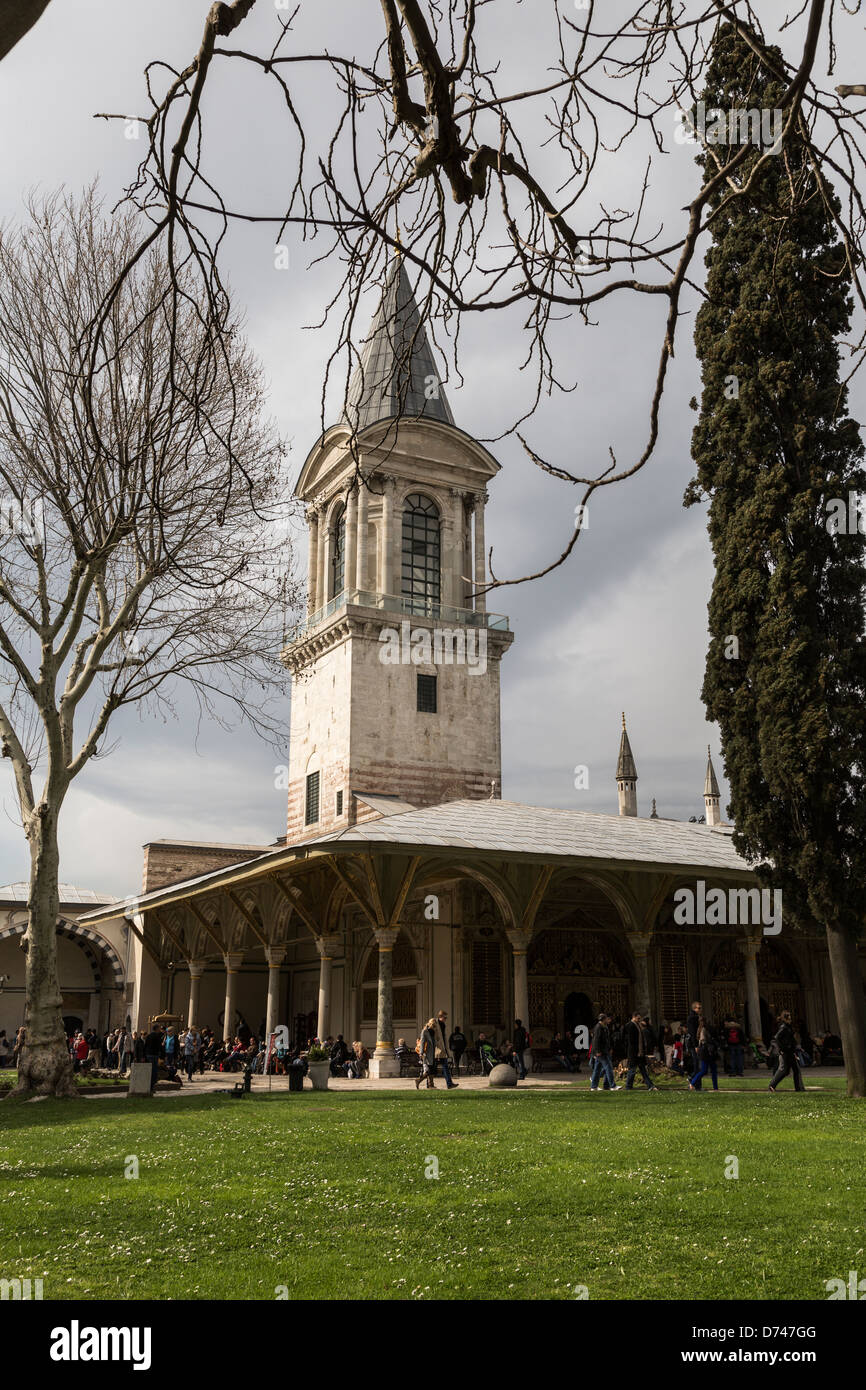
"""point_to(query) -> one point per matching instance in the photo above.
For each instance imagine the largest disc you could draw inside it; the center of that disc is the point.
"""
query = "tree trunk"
(44, 1064)
(850, 1006)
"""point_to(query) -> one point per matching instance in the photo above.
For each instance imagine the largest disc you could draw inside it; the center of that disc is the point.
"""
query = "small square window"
(426, 694)
(339, 803)
(312, 804)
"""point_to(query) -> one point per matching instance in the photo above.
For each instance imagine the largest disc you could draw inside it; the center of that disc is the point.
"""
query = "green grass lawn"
(537, 1193)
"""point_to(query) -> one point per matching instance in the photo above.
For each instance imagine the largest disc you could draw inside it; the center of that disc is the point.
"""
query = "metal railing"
(401, 604)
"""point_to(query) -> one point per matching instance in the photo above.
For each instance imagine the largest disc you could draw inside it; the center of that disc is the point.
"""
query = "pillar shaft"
(233, 962)
(327, 947)
(480, 556)
(312, 560)
(750, 948)
(386, 539)
(196, 970)
(361, 580)
(384, 1061)
(520, 938)
(322, 561)
(351, 555)
(640, 947)
(275, 955)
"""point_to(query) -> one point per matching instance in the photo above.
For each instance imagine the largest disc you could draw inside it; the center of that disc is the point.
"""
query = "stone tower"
(626, 776)
(711, 793)
(395, 672)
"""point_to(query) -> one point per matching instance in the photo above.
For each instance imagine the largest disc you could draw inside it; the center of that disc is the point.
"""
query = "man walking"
(693, 1024)
(601, 1043)
(786, 1042)
(637, 1040)
(442, 1020)
(457, 1046)
(735, 1040)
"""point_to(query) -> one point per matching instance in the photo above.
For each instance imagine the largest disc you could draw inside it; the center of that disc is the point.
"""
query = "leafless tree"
(497, 194)
(143, 535)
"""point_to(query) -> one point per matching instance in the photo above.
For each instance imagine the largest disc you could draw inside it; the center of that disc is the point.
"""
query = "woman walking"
(786, 1042)
(707, 1055)
(428, 1056)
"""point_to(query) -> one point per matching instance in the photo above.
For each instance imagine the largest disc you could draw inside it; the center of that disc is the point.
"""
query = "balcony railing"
(399, 604)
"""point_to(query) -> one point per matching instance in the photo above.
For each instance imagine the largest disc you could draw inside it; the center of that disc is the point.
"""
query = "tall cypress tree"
(777, 455)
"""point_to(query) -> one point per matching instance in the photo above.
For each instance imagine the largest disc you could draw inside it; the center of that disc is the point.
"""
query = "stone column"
(327, 947)
(520, 938)
(233, 961)
(386, 539)
(196, 970)
(750, 948)
(274, 955)
(640, 942)
(480, 554)
(312, 560)
(351, 557)
(361, 580)
(321, 567)
(384, 1062)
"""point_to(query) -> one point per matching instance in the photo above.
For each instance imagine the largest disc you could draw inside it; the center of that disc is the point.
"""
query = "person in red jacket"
(80, 1050)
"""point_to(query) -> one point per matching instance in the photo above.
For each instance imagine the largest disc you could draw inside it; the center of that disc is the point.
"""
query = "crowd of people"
(695, 1049)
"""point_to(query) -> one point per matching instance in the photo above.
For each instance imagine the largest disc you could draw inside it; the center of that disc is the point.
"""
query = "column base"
(383, 1066)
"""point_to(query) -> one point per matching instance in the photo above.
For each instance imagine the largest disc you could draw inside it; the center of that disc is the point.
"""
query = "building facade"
(405, 883)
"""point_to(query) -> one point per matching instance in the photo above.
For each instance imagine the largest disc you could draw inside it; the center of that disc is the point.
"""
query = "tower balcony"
(399, 604)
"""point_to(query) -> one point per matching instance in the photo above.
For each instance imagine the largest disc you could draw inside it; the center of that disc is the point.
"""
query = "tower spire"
(396, 375)
(711, 793)
(626, 776)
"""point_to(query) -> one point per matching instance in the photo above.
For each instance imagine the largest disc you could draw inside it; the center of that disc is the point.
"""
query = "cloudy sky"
(621, 626)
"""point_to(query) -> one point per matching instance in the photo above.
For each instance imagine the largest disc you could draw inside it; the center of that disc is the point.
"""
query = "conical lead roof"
(396, 375)
(625, 768)
(711, 786)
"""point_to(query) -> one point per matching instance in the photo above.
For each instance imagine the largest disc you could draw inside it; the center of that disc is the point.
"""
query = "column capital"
(749, 946)
(480, 499)
(520, 937)
(386, 937)
(233, 961)
(639, 942)
(197, 969)
(313, 512)
(275, 955)
(328, 946)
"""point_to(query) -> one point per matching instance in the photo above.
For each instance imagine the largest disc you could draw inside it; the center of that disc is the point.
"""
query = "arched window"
(421, 547)
(338, 554)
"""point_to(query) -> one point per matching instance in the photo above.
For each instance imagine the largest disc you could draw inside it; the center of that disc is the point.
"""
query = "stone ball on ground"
(503, 1075)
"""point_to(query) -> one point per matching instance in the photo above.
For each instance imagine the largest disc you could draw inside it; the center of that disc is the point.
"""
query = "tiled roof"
(501, 827)
(509, 827)
(20, 892)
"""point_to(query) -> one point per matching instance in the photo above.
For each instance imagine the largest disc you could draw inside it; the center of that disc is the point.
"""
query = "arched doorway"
(577, 1011)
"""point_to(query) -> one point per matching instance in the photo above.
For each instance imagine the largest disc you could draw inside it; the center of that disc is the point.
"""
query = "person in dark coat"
(693, 1024)
(339, 1056)
(708, 1052)
(786, 1042)
(519, 1044)
(637, 1040)
(152, 1048)
(457, 1046)
(601, 1044)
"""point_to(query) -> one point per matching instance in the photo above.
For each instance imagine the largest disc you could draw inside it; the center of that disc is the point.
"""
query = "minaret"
(626, 776)
(711, 793)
